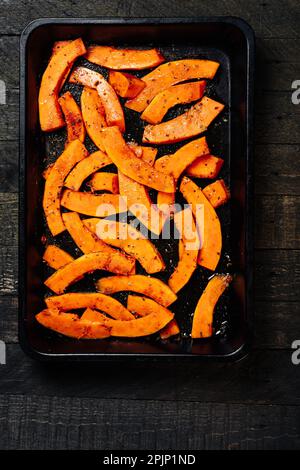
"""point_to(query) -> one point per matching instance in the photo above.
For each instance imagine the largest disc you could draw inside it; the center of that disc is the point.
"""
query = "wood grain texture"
(277, 222)
(265, 377)
(8, 270)
(277, 169)
(127, 424)
(8, 319)
(276, 323)
(9, 166)
(269, 19)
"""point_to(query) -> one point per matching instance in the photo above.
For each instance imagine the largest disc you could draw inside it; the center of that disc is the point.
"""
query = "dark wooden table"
(252, 404)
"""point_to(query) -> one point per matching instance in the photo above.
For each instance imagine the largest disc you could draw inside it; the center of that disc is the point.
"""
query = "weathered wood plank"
(277, 222)
(277, 275)
(264, 377)
(8, 270)
(150, 425)
(274, 19)
(276, 323)
(277, 169)
(9, 117)
(8, 219)
(9, 166)
(8, 319)
(277, 119)
(278, 62)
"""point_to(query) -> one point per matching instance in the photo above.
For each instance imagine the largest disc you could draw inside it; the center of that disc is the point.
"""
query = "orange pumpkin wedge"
(143, 326)
(125, 85)
(47, 171)
(86, 241)
(51, 117)
(207, 166)
(113, 110)
(169, 74)
(189, 124)
(178, 94)
(73, 153)
(94, 205)
(124, 59)
(104, 181)
(130, 165)
(217, 193)
(93, 115)
(171, 329)
(203, 316)
(85, 168)
(73, 117)
(189, 251)
(148, 154)
(148, 309)
(55, 257)
(137, 195)
(130, 240)
(78, 300)
(57, 46)
(148, 286)
(71, 325)
(207, 222)
(117, 263)
(176, 164)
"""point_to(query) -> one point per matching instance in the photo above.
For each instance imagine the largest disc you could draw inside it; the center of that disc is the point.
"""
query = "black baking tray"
(225, 39)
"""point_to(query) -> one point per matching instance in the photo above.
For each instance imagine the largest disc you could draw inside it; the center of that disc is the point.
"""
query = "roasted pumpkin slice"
(85, 168)
(187, 264)
(140, 204)
(148, 286)
(104, 181)
(137, 195)
(169, 74)
(217, 193)
(124, 59)
(87, 241)
(78, 300)
(207, 222)
(51, 117)
(171, 329)
(93, 115)
(125, 85)
(47, 171)
(172, 96)
(207, 166)
(176, 163)
(148, 154)
(73, 117)
(189, 124)
(57, 46)
(55, 257)
(130, 240)
(71, 325)
(100, 205)
(113, 110)
(129, 164)
(156, 318)
(134, 304)
(117, 263)
(204, 313)
(73, 153)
